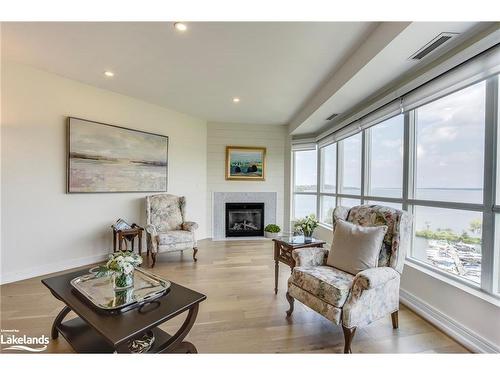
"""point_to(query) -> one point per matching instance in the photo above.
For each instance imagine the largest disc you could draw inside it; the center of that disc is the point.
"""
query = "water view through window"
(450, 147)
(386, 158)
(450, 167)
(450, 240)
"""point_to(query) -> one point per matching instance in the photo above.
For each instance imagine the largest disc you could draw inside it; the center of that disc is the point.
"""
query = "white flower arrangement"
(121, 262)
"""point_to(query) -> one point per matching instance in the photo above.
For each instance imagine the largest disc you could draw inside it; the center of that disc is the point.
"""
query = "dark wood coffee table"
(94, 331)
(283, 247)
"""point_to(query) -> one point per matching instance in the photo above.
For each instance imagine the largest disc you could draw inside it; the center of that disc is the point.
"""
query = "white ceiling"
(295, 73)
(388, 63)
(273, 67)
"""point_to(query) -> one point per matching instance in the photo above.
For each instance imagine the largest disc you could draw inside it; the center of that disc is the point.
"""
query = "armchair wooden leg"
(290, 300)
(395, 320)
(348, 335)
(195, 250)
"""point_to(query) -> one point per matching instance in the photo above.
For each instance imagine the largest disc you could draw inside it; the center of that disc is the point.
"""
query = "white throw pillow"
(355, 248)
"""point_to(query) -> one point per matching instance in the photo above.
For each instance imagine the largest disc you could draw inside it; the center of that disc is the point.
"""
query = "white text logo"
(15, 341)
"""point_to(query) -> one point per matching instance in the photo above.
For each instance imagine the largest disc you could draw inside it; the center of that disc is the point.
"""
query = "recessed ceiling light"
(109, 73)
(180, 26)
(236, 100)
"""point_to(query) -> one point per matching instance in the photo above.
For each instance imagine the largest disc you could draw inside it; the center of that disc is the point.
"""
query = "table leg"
(140, 243)
(276, 273)
(59, 318)
(176, 340)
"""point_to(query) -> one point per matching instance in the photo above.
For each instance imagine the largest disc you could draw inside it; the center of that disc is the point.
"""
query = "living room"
(220, 186)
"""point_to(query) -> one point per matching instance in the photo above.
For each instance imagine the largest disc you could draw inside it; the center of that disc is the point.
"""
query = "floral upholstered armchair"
(354, 300)
(167, 230)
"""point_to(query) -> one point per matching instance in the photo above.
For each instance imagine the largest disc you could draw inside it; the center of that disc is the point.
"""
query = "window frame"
(309, 193)
(490, 207)
(487, 233)
(320, 193)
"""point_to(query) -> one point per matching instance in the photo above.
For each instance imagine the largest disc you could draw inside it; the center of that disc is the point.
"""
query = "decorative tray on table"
(99, 291)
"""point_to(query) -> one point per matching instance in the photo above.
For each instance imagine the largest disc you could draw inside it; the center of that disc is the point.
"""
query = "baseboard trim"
(10, 277)
(455, 330)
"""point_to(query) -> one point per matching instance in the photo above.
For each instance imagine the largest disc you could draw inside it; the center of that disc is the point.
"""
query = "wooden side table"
(283, 247)
(121, 236)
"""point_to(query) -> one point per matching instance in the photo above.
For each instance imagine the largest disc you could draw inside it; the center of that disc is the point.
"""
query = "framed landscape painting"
(106, 158)
(245, 163)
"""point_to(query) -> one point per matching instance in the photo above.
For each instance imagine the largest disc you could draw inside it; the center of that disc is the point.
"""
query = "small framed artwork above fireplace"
(245, 163)
(244, 219)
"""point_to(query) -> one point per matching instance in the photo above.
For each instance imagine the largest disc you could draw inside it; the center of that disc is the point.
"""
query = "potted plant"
(121, 266)
(272, 231)
(306, 227)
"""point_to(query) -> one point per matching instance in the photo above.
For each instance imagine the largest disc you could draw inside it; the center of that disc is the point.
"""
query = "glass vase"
(123, 281)
(307, 237)
(123, 296)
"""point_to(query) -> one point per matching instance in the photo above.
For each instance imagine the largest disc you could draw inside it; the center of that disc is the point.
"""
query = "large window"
(328, 178)
(304, 205)
(328, 204)
(329, 169)
(450, 147)
(351, 165)
(385, 148)
(305, 184)
(435, 160)
(449, 167)
(449, 239)
(305, 171)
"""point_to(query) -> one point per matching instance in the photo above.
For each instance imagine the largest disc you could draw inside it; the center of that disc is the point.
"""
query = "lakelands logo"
(16, 341)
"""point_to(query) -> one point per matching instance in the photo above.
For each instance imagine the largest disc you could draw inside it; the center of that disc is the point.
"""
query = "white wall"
(273, 138)
(470, 319)
(43, 228)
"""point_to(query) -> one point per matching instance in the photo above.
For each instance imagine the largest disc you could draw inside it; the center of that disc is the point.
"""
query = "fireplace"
(244, 219)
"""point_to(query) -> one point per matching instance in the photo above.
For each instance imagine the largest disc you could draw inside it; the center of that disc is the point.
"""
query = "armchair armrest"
(151, 238)
(374, 277)
(374, 294)
(189, 226)
(310, 256)
(151, 230)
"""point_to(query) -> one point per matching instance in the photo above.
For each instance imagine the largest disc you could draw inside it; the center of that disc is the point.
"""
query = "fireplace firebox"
(244, 219)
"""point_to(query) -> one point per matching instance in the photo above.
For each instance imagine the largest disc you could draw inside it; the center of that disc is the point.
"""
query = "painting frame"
(69, 189)
(245, 149)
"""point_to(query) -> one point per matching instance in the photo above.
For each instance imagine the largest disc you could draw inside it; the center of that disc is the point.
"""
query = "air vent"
(332, 116)
(432, 45)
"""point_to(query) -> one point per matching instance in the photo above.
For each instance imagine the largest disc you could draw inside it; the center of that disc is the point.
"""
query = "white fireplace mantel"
(220, 199)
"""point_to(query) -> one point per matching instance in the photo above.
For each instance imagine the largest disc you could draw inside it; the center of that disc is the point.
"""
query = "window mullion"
(409, 156)
(318, 182)
(340, 170)
(365, 169)
(407, 180)
(490, 149)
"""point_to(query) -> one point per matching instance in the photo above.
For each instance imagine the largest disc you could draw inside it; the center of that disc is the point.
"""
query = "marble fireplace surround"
(220, 199)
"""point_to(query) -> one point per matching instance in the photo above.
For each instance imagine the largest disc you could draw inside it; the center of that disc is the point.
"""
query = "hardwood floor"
(241, 314)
